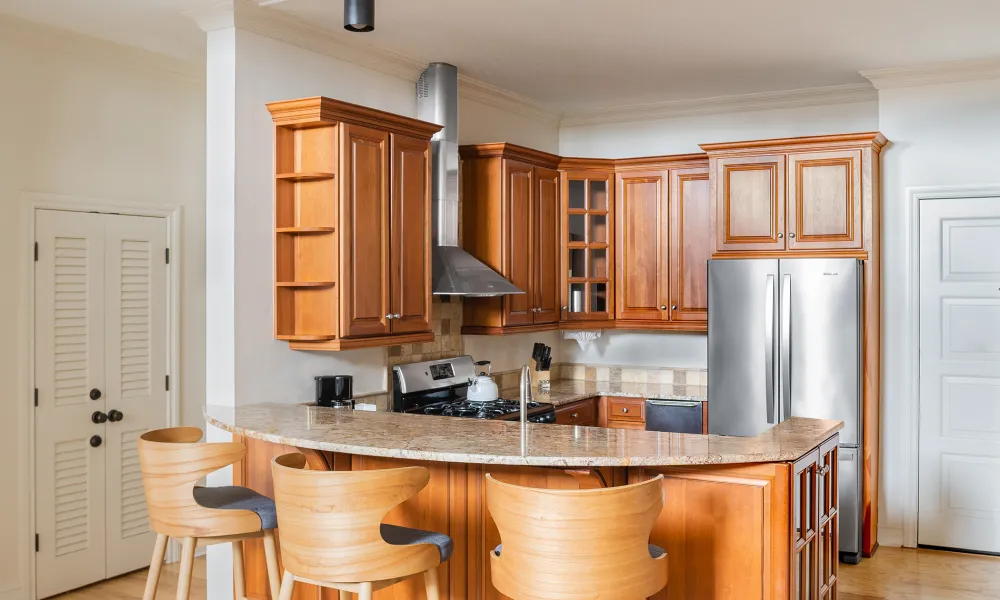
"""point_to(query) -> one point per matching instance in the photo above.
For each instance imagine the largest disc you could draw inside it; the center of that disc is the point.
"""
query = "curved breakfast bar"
(752, 517)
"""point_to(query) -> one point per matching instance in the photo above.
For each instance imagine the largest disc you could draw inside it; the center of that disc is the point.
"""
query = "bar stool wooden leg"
(287, 585)
(365, 592)
(159, 549)
(344, 595)
(187, 565)
(431, 583)
(239, 577)
(271, 557)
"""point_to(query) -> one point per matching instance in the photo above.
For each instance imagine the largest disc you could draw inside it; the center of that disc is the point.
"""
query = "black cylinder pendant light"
(359, 15)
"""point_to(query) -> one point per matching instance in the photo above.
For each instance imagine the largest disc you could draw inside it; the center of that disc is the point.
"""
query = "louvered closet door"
(69, 363)
(136, 325)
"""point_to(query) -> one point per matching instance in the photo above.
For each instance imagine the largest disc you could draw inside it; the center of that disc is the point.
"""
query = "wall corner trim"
(934, 73)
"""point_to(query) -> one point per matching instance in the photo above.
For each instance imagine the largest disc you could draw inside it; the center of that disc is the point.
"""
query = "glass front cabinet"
(587, 281)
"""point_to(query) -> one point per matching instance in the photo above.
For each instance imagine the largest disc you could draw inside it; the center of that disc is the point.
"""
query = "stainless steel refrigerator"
(784, 339)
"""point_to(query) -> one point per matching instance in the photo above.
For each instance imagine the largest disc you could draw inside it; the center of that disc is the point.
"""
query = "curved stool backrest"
(329, 522)
(576, 543)
(172, 462)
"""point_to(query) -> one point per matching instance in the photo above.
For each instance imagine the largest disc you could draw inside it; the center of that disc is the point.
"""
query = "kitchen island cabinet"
(729, 521)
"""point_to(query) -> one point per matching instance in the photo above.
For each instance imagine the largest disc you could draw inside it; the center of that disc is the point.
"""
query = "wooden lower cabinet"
(730, 531)
(583, 413)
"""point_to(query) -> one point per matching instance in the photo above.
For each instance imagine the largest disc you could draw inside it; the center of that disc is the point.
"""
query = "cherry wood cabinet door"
(750, 203)
(410, 241)
(690, 244)
(824, 200)
(364, 231)
(517, 226)
(545, 261)
(642, 229)
(587, 278)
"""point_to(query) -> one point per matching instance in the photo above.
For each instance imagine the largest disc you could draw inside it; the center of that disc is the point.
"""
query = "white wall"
(941, 135)
(680, 136)
(89, 119)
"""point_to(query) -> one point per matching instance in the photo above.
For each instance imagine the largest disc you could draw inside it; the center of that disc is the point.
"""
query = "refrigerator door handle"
(769, 349)
(785, 359)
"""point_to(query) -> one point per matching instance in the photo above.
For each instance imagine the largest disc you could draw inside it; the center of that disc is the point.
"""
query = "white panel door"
(69, 372)
(136, 342)
(959, 449)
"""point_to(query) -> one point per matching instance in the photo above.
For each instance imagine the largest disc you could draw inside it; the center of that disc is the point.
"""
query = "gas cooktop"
(495, 409)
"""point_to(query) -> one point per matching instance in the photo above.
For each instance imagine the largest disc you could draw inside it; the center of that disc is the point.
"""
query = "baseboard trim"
(16, 593)
(890, 536)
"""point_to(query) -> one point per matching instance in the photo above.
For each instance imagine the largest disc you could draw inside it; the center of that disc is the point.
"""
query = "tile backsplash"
(613, 374)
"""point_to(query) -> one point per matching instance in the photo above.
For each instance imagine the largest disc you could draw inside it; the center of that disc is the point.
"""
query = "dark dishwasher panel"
(678, 416)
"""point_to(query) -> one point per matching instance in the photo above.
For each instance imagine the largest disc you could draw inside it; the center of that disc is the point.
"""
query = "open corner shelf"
(310, 176)
(305, 284)
(305, 230)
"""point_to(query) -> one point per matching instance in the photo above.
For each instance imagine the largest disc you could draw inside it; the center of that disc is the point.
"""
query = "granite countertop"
(451, 439)
(565, 391)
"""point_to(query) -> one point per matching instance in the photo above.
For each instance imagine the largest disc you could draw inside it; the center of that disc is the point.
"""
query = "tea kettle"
(482, 388)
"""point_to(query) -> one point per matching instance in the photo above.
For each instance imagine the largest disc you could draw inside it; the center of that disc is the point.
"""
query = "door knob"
(115, 415)
(95, 394)
(98, 417)
(95, 441)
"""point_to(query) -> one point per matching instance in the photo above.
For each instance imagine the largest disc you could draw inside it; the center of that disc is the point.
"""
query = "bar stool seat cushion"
(654, 551)
(233, 497)
(396, 535)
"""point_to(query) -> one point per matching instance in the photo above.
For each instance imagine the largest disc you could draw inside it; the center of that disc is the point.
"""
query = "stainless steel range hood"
(455, 271)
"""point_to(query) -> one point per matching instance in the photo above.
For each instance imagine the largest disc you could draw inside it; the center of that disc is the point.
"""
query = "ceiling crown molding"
(490, 95)
(818, 96)
(275, 24)
(935, 73)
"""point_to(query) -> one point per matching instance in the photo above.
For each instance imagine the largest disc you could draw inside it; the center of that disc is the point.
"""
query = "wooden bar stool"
(332, 533)
(172, 462)
(576, 543)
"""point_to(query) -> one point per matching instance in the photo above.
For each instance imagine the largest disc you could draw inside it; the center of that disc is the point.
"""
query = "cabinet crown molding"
(506, 150)
(306, 112)
(873, 138)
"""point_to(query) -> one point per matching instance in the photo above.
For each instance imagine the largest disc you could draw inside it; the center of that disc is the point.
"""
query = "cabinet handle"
(388, 316)
(575, 415)
(565, 308)
(624, 410)
(791, 235)
(824, 470)
(396, 316)
(673, 307)
(663, 307)
(781, 235)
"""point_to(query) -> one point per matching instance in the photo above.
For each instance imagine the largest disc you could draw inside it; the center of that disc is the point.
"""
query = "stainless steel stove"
(438, 387)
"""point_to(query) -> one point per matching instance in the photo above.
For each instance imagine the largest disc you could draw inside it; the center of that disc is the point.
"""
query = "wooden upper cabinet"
(517, 240)
(824, 199)
(642, 246)
(545, 226)
(364, 227)
(750, 211)
(690, 244)
(587, 281)
(352, 212)
(410, 239)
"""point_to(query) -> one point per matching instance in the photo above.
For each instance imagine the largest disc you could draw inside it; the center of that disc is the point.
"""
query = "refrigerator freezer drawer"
(850, 503)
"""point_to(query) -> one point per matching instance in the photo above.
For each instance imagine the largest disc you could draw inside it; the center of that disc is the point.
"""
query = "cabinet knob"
(791, 235)
(624, 410)
(396, 316)
(781, 235)
(663, 307)
(575, 415)
(388, 316)
(565, 308)
(824, 470)
(115, 415)
(673, 307)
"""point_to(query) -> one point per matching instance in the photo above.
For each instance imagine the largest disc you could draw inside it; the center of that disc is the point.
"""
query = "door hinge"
(36, 251)
(36, 542)
(167, 253)
(36, 397)
(168, 383)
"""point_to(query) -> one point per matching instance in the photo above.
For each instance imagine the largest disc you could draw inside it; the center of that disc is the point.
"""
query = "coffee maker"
(335, 391)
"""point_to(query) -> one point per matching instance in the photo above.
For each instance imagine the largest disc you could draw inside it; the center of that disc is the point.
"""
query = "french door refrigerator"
(784, 339)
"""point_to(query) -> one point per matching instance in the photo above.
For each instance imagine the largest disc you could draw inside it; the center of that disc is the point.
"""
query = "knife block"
(537, 376)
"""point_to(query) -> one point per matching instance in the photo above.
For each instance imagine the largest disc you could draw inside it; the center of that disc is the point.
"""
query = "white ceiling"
(574, 54)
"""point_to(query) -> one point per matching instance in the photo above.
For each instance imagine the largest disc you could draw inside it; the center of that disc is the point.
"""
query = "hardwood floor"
(894, 574)
(130, 586)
